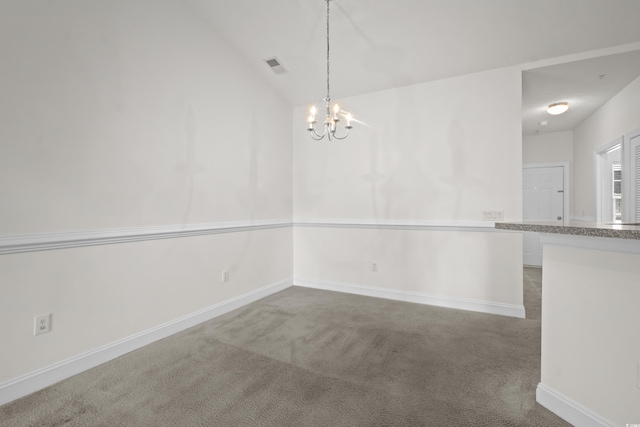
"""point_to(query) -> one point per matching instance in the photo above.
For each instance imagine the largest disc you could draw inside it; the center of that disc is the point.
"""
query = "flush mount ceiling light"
(333, 114)
(557, 108)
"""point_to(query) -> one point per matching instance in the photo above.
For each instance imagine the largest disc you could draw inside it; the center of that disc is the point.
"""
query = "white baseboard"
(584, 218)
(41, 378)
(567, 409)
(511, 310)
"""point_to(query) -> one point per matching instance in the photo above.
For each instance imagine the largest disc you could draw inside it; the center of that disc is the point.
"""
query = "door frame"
(599, 165)
(566, 208)
(628, 191)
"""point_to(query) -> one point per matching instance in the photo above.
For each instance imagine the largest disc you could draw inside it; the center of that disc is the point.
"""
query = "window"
(617, 192)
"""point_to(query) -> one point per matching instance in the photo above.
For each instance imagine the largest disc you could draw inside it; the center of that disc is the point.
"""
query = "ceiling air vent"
(275, 65)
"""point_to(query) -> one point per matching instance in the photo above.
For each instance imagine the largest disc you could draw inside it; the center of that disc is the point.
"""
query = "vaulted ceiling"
(381, 44)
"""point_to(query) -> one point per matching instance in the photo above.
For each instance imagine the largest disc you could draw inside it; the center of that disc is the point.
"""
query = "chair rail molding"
(19, 243)
(10, 244)
(481, 226)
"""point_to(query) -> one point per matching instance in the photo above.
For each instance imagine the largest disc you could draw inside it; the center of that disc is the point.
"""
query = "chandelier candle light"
(331, 119)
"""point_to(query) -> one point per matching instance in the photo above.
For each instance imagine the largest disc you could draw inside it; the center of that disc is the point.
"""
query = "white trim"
(503, 309)
(10, 244)
(483, 226)
(598, 165)
(580, 56)
(567, 409)
(41, 378)
(566, 183)
(627, 246)
(628, 176)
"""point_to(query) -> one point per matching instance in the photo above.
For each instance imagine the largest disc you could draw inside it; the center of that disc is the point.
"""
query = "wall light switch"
(492, 215)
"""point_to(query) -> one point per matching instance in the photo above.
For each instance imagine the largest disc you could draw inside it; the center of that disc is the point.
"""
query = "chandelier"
(333, 114)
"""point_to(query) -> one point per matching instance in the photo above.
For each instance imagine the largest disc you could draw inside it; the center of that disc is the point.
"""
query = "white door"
(543, 200)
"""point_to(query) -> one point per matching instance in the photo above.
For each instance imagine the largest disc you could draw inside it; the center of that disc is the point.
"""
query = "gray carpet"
(306, 357)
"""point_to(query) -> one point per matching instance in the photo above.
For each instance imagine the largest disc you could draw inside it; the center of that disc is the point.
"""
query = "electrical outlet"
(225, 276)
(42, 324)
(374, 266)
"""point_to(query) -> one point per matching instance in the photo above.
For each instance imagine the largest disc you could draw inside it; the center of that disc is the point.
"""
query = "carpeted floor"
(306, 357)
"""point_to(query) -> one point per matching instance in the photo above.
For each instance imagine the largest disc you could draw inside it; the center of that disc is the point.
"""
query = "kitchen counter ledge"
(576, 228)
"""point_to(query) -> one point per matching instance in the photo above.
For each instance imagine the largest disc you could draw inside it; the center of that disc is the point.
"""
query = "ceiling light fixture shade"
(557, 108)
(333, 114)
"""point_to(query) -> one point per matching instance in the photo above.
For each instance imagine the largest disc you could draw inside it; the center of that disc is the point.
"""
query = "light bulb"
(336, 110)
(312, 114)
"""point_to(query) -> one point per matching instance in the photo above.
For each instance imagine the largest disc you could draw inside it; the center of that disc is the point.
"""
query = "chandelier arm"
(348, 128)
(315, 135)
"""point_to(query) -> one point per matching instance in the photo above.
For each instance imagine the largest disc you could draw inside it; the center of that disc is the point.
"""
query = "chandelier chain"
(332, 118)
(328, 97)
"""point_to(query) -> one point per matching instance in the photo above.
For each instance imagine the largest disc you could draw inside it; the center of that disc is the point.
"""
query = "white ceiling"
(585, 85)
(381, 44)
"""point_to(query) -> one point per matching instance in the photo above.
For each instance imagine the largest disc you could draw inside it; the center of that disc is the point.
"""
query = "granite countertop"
(578, 228)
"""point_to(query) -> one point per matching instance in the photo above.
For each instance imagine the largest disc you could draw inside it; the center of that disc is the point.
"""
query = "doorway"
(545, 197)
(609, 183)
(631, 177)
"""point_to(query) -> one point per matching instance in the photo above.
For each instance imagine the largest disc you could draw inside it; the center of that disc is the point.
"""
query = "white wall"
(482, 267)
(437, 151)
(614, 119)
(120, 114)
(101, 294)
(125, 114)
(590, 346)
(548, 148)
